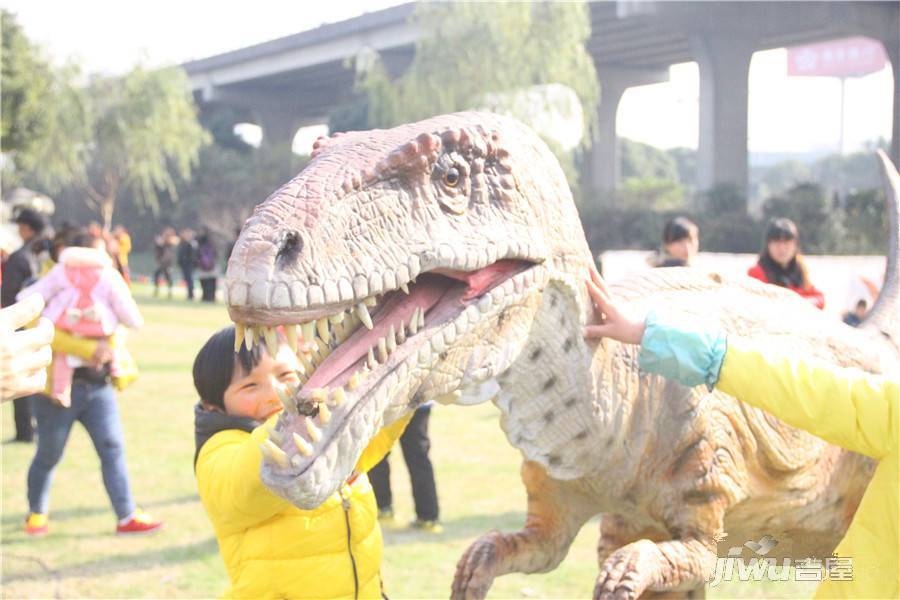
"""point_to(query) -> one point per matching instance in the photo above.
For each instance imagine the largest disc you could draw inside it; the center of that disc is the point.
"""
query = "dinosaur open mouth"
(346, 353)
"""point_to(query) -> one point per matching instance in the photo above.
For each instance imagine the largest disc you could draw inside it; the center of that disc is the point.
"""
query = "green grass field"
(477, 473)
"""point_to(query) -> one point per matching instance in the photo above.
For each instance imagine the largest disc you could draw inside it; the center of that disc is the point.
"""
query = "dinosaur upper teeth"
(319, 338)
(323, 335)
(364, 316)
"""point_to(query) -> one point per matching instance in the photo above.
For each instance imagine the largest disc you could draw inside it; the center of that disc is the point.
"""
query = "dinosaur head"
(397, 260)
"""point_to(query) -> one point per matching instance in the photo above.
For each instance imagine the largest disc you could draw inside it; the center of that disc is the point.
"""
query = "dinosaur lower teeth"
(324, 414)
(414, 322)
(338, 396)
(273, 453)
(303, 447)
(391, 340)
(274, 434)
(315, 434)
(353, 382)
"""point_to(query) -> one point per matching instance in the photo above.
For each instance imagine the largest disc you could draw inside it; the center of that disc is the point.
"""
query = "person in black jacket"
(415, 444)
(19, 270)
(187, 256)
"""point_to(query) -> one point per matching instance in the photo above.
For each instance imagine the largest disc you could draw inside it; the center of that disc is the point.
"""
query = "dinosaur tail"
(885, 315)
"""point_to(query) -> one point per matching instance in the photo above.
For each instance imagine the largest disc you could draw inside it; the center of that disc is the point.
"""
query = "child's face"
(253, 394)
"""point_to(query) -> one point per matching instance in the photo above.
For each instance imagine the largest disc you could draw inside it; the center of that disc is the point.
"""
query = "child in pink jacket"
(87, 297)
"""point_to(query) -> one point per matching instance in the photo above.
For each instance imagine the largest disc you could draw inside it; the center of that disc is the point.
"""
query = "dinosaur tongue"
(431, 289)
(483, 279)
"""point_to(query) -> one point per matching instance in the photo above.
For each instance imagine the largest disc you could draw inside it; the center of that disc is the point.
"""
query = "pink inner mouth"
(435, 293)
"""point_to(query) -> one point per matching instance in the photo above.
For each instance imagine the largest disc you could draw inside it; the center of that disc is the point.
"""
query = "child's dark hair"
(678, 229)
(214, 366)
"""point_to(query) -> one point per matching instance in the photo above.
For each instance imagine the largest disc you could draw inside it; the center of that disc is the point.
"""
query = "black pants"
(162, 272)
(22, 413)
(188, 274)
(415, 445)
(208, 285)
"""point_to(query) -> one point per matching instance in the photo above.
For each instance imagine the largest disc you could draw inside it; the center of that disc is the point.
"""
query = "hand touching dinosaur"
(615, 323)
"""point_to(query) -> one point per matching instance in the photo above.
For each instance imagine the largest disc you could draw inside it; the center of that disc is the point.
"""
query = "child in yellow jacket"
(851, 409)
(271, 548)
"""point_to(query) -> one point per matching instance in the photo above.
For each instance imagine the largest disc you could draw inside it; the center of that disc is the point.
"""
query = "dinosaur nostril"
(291, 246)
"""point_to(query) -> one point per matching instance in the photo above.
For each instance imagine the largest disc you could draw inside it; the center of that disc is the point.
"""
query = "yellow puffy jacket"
(860, 413)
(272, 549)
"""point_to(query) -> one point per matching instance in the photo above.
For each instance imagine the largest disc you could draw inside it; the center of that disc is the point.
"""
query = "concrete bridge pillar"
(278, 126)
(604, 162)
(724, 62)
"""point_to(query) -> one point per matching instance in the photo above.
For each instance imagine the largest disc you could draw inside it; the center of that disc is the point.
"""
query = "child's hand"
(615, 324)
(103, 354)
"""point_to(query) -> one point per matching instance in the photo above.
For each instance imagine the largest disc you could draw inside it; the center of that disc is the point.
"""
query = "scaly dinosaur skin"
(456, 244)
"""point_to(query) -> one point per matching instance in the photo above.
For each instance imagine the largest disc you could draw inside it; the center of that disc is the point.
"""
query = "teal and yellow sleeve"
(845, 407)
(687, 355)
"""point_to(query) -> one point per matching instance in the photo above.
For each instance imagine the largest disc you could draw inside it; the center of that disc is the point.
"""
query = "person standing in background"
(855, 317)
(681, 242)
(187, 257)
(164, 253)
(207, 265)
(20, 268)
(415, 444)
(780, 262)
(123, 249)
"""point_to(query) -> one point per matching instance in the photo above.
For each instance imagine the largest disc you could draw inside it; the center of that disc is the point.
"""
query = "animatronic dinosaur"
(446, 257)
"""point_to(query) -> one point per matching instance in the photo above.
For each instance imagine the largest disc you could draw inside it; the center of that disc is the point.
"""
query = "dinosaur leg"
(615, 533)
(676, 565)
(556, 512)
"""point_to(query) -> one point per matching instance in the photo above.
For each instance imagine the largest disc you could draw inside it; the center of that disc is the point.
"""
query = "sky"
(786, 114)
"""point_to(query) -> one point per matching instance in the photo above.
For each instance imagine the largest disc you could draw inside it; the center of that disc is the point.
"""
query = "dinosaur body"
(445, 258)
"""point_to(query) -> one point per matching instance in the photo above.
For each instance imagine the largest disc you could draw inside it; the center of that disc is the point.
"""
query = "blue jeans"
(96, 407)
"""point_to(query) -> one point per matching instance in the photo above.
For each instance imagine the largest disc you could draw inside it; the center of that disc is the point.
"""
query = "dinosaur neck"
(546, 397)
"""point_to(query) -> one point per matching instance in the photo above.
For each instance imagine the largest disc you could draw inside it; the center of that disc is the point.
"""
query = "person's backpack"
(206, 257)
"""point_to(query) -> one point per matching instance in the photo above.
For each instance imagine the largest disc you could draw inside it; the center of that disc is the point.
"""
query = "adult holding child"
(86, 299)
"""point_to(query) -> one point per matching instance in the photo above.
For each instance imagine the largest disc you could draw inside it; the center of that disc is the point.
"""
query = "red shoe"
(36, 524)
(140, 522)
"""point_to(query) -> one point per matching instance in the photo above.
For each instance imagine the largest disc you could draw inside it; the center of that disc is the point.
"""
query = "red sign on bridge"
(850, 57)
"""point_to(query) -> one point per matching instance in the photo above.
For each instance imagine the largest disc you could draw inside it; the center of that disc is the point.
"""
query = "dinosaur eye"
(451, 177)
